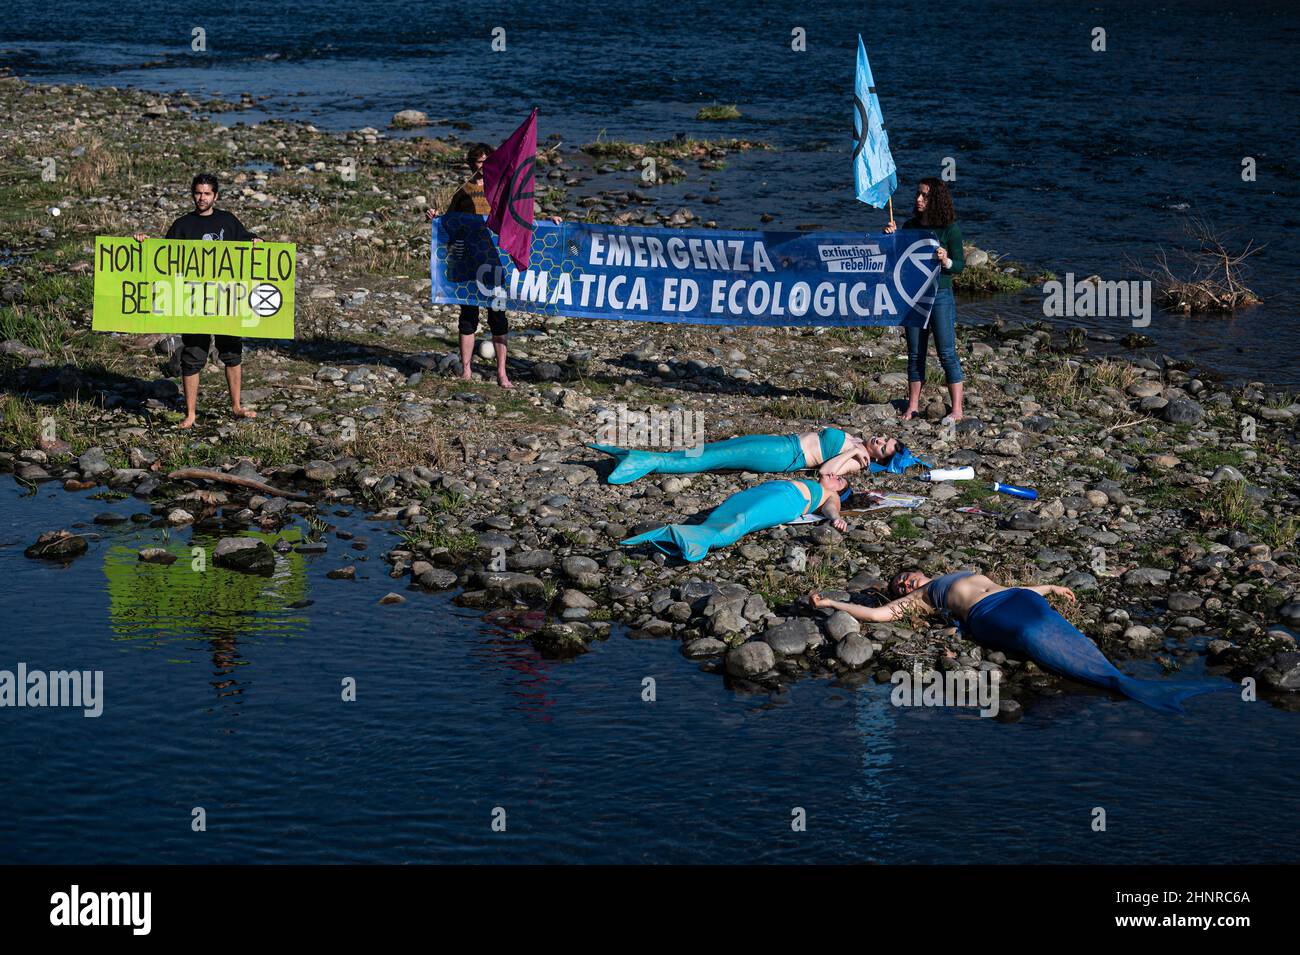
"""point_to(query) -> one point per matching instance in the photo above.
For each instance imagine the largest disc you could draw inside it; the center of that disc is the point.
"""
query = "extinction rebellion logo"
(919, 257)
(518, 183)
(852, 258)
(265, 300)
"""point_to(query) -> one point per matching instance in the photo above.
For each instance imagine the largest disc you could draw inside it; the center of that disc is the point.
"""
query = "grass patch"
(18, 422)
(792, 409)
(1112, 374)
(971, 494)
(460, 545)
(1206, 458)
(388, 446)
(1228, 503)
(901, 526)
(1278, 533)
(267, 444)
(717, 111)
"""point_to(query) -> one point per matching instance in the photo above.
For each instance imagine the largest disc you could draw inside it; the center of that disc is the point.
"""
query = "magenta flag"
(508, 186)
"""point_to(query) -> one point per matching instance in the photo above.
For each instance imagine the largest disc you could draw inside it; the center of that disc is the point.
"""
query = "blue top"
(939, 588)
(831, 441)
(815, 490)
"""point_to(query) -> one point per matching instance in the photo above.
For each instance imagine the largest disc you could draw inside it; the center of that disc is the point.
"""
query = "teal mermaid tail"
(631, 463)
(759, 507)
(1022, 623)
(763, 453)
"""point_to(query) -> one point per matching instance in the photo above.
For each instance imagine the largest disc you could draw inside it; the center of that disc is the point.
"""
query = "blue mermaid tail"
(762, 506)
(763, 453)
(1023, 623)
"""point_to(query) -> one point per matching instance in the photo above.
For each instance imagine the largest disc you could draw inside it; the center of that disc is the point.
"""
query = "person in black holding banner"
(207, 223)
(470, 198)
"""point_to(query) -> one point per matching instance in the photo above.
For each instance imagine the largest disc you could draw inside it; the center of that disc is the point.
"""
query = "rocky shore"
(1167, 499)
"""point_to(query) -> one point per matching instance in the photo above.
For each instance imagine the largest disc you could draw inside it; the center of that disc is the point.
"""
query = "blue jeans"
(943, 323)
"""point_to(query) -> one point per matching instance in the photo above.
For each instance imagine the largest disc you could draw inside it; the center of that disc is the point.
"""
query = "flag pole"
(891, 209)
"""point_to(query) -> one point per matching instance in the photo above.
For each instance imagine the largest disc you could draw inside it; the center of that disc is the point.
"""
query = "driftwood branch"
(205, 474)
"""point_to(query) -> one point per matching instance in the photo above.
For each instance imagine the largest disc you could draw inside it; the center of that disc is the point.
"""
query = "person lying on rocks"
(1021, 623)
(830, 450)
(754, 509)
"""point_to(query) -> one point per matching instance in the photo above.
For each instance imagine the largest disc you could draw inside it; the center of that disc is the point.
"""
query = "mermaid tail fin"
(691, 541)
(631, 464)
(1167, 695)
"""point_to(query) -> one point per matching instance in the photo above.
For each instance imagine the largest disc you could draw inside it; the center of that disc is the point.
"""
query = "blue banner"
(700, 277)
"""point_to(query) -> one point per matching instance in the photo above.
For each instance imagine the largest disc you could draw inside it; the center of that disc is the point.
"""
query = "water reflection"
(155, 604)
(874, 719)
(525, 672)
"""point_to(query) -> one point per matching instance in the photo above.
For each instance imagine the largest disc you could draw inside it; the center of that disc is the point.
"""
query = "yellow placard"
(183, 285)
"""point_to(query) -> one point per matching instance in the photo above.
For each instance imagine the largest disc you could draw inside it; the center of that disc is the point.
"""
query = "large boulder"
(793, 637)
(410, 118)
(511, 584)
(245, 554)
(751, 659)
(1182, 411)
(854, 650)
(58, 545)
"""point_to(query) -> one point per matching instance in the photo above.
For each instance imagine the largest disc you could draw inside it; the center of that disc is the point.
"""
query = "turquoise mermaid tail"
(762, 506)
(764, 453)
(1023, 623)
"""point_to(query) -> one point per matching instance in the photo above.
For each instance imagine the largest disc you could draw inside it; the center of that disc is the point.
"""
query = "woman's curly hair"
(938, 212)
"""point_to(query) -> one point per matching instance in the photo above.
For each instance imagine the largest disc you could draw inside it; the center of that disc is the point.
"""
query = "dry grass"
(387, 446)
(1207, 278)
(1113, 374)
(97, 162)
(1064, 383)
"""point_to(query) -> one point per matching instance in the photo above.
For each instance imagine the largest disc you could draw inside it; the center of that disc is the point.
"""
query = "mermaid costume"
(762, 506)
(762, 453)
(1022, 623)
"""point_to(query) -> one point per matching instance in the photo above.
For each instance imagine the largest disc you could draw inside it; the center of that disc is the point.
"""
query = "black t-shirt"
(220, 225)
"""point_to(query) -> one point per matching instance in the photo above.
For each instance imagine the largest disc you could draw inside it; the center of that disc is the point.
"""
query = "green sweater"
(950, 238)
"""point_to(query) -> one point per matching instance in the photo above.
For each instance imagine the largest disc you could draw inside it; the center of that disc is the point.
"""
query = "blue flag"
(875, 177)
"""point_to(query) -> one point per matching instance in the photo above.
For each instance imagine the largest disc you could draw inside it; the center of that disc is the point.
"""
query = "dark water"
(219, 694)
(1071, 159)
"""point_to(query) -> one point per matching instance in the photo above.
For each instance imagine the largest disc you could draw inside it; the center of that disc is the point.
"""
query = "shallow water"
(219, 694)
(1068, 159)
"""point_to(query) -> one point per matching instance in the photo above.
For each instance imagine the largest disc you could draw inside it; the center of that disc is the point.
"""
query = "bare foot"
(909, 414)
(504, 382)
(243, 413)
(467, 375)
(954, 417)
(187, 422)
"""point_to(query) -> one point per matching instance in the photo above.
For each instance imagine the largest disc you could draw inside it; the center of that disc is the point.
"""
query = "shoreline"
(1129, 456)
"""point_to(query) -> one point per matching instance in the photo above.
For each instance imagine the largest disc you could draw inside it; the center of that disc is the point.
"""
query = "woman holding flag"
(483, 195)
(933, 211)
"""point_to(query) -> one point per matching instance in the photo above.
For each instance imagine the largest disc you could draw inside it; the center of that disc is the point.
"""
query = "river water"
(1072, 159)
(224, 691)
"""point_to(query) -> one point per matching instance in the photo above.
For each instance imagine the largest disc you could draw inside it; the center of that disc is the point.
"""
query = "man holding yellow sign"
(209, 277)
